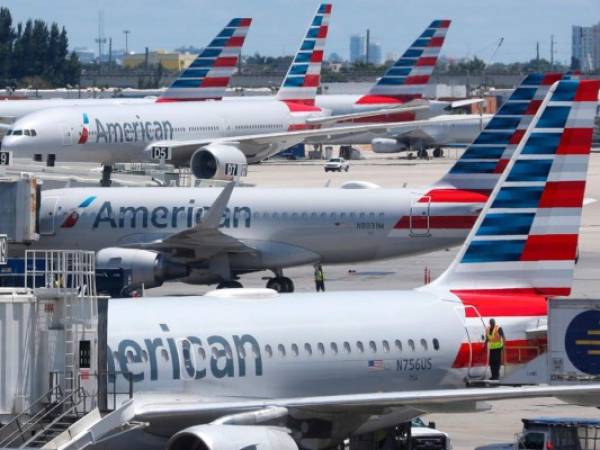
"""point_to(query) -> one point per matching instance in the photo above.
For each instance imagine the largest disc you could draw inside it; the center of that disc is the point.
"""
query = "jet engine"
(147, 267)
(231, 437)
(387, 145)
(218, 161)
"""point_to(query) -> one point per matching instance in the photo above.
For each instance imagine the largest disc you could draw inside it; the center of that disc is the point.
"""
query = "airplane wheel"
(229, 285)
(281, 284)
(438, 152)
(423, 154)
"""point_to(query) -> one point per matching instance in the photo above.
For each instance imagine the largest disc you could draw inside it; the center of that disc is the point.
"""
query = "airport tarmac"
(466, 430)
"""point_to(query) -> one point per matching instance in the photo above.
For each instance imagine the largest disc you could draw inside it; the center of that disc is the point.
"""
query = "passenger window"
(436, 344)
(321, 348)
(334, 348)
(424, 344)
(165, 354)
(308, 349)
(360, 346)
(269, 351)
(144, 355)
(347, 347)
(398, 344)
(215, 353)
(201, 353)
(281, 350)
(386, 346)
(373, 346)
(411, 344)
(241, 352)
(295, 350)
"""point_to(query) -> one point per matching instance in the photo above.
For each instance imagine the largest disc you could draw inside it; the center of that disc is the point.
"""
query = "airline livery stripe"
(575, 141)
(454, 196)
(563, 194)
(550, 247)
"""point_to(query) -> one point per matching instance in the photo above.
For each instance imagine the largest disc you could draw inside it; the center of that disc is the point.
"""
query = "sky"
(279, 25)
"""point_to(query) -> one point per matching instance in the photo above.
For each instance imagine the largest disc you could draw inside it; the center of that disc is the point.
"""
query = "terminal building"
(586, 48)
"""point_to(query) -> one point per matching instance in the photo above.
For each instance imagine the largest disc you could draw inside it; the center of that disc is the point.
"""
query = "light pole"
(126, 32)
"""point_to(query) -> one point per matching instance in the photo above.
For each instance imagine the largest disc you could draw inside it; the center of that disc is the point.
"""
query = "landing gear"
(229, 285)
(438, 152)
(422, 154)
(281, 284)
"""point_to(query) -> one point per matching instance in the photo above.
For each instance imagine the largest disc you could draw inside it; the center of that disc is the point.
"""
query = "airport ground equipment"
(53, 343)
(19, 200)
(554, 433)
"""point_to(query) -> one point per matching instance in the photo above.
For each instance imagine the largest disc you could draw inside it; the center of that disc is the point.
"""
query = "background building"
(357, 48)
(375, 53)
(169, 60)
(586, 48)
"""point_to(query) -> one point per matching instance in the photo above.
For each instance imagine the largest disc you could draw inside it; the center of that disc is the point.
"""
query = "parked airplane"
(209, 73)
(242, 369)
(216, 139)
(209, 235)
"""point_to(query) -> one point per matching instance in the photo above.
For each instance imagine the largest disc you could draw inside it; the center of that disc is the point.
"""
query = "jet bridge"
(53, 358)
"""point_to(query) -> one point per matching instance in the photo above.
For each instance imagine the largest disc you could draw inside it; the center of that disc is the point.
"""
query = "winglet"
(209, 74)
(304, 75)
(215, 213)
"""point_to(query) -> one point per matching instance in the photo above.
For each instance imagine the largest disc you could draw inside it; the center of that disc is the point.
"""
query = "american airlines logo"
(166, 217)
(135, 131)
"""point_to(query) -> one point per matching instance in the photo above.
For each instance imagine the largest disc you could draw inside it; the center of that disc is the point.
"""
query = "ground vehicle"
(424, 436)
(556, 433)
(337, 164)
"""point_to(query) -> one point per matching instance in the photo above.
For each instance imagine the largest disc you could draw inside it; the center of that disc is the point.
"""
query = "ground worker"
(319, 278)
(494, 339)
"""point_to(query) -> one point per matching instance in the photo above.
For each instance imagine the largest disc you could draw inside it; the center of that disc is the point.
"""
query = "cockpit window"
(9, 132)
(26, 133)
(17, 132)
(33, 133)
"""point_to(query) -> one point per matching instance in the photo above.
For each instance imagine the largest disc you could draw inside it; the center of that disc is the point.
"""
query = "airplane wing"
(204, 238)
(257, 147)
(155, 409)
(466, 102)
(409, 107)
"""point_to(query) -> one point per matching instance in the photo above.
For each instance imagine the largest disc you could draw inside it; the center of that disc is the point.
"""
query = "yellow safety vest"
(494, 338)
(319, 275)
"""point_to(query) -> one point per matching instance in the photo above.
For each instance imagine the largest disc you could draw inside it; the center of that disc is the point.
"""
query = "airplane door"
(419, 217)
(49, 219)
(67, 135)
(478, 354)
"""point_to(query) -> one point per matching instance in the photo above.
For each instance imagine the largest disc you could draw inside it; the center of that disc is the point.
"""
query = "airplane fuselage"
(286, 227)
(121, 134)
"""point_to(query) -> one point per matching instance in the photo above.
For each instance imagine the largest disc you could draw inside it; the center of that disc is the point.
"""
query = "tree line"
(35, 54)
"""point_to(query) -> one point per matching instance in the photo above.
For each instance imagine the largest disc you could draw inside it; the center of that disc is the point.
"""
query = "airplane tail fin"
(525, 239)
(407, 78)
(304, 75)
(209, 74)
(482, 163)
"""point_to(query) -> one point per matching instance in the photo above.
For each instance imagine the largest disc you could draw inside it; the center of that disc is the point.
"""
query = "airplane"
(238, 369)
(210, 73)
(216, 139)
(214, 235)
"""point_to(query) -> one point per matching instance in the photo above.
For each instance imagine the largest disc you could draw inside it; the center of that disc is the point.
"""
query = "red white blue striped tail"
(482, 162)
(304, 75)
(407, 78)
(525, 239)
(209, 74)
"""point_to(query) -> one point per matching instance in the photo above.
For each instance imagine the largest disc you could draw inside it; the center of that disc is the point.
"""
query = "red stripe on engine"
(575, 141)
(563, 194)
(306, 105)
(454, 196)
(521, 302)
(550, 247)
